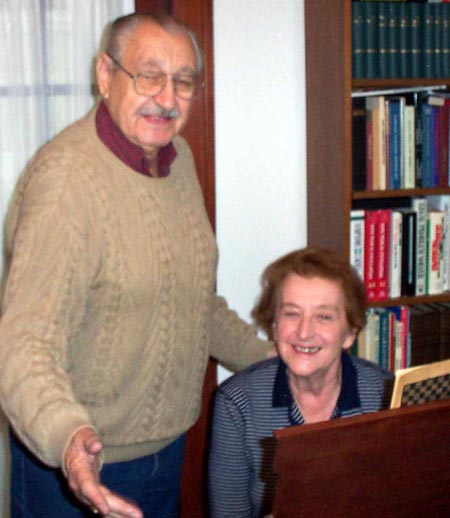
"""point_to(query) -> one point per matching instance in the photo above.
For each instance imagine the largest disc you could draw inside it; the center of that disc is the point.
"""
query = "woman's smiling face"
(311, 327)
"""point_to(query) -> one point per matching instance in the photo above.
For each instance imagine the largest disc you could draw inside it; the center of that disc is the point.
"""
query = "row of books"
(403, 250)
(400, 39)
(399, 337)
(401, 141)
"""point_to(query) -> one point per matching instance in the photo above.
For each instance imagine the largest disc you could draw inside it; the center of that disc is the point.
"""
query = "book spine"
(357, 241)
(419, 205)
(435, 223)
(383, 357)
(370, 279)
(427, 144)
(404, 39)
(395, 269)
(416, 39)
(409, 253)
(383, 32)
(376, 106)
(369, 150)
(445, 40)
(359, 139)
(427, 41)
(370, 18)
(382, 241)
(442, 145)
(409, 148)
(437, 40)
(442, 203)
(393, 40)
(358, 41)
(395, 144)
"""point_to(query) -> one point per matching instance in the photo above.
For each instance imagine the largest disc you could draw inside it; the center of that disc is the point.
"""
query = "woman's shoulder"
(368, 368)
(258, 377)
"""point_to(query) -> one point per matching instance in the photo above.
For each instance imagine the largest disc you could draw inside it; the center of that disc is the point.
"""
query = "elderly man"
(109, 312)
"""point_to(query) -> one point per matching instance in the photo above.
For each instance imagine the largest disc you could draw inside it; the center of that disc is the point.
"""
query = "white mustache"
(158, 111)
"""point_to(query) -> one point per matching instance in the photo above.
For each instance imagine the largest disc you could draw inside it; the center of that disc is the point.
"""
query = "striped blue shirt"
(253, 403)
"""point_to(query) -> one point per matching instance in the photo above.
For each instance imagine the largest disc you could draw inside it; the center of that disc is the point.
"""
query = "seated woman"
(313, 305)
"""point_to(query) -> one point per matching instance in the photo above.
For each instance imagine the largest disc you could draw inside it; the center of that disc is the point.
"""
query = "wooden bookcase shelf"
(329, 87)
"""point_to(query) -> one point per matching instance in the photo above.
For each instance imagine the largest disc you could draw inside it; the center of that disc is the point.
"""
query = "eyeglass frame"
(196, 90)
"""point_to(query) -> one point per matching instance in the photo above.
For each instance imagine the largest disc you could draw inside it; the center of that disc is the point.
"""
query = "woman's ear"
(350, 338)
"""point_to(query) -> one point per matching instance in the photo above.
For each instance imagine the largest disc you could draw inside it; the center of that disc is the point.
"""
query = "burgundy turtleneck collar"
(132, 155)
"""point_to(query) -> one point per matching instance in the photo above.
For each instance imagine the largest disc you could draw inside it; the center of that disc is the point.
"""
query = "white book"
(420, 207)
(443, 203)
(357, 241)
(395, 257)
(409, 147)
(398, 348)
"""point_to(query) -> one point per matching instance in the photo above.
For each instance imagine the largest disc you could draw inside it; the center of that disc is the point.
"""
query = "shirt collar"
(348, 396)
(132, 155)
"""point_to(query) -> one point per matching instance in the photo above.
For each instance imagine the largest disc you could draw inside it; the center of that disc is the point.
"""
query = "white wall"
(260, 141)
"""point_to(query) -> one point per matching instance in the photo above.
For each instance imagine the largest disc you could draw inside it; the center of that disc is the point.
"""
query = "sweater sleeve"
(229, 471)
(43, 305)
(234, 342)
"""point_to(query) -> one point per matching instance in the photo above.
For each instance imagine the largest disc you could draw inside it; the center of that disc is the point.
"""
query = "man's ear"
(103, 71)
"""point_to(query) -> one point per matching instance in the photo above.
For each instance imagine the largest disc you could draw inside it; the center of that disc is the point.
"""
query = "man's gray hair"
(122, 28)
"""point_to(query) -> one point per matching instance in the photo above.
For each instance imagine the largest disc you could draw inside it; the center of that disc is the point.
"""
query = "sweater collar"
(348, 396)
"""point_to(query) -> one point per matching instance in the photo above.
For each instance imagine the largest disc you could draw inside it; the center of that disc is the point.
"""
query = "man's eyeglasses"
(186, 85)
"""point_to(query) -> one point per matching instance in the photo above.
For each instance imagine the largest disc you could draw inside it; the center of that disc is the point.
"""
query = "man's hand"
(82, 467)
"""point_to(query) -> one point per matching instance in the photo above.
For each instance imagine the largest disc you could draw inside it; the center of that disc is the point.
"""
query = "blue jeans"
(153, 482)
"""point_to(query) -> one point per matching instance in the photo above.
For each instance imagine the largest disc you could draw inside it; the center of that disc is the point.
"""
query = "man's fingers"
(119, 506)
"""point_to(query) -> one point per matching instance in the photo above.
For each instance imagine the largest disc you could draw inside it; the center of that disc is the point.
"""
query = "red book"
(382, 252)
(370, 279)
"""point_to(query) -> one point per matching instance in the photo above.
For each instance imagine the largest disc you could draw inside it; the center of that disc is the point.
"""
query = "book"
(427, 41)
(429, 162)
(370, 27)
(395, 113)
(382, 252)
(359, 138)
(434, 280)
(421, 384)
(416, 39)
(358, 41)
(357, 241)
(384, 337)
(408, 279)
(442, 203)
(376, 107)
(409, 148)
(425, 334)
(420, 205)
(402, 352)
(395, 256)
(444, 349)
(370, 280)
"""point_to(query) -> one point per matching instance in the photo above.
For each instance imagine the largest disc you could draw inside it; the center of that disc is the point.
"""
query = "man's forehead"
(151, 43)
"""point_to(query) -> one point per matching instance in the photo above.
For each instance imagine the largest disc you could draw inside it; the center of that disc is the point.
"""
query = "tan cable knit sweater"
(109, 312)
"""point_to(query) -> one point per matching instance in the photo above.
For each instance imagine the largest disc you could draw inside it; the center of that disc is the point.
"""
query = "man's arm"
(233, 341)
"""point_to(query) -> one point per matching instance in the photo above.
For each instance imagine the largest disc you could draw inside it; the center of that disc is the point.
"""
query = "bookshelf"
(329, 87)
